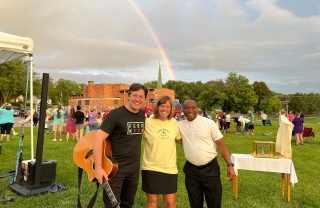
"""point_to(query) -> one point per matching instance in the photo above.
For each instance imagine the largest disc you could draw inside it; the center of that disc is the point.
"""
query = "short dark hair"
(78, 107)
(160, 101)
(136, 87)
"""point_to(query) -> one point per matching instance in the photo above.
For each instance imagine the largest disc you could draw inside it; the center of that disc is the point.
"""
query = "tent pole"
(31, 104)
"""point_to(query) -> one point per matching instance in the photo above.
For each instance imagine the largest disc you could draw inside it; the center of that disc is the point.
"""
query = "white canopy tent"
(14, 47)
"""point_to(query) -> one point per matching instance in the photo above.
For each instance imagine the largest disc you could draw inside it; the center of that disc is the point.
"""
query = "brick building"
(101, 96)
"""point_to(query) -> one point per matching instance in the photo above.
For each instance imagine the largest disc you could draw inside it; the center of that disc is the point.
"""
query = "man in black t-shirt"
(124, 127)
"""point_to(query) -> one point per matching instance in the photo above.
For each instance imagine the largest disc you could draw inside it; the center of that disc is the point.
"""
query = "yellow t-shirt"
(160, 147)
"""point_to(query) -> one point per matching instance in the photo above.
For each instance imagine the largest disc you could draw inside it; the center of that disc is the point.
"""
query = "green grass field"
(256, 189)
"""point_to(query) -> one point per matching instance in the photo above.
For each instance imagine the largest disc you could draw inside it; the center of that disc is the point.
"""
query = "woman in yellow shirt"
(159, 167)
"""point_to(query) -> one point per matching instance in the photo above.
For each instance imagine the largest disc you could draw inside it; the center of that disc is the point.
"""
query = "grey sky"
(275, 41)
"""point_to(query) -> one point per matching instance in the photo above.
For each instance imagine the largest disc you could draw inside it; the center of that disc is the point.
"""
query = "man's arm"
(99, 172)
(225, 154)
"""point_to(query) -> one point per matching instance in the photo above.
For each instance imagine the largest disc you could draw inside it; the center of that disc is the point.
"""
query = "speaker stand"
(38, 187)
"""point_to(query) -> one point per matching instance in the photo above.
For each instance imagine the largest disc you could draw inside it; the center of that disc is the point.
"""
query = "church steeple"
(159, 85)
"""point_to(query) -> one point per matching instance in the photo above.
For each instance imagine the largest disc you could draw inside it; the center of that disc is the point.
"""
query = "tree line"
(234, 94)
(13, 82)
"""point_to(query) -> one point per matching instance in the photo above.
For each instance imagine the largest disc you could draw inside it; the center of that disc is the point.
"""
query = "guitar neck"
(110, 194)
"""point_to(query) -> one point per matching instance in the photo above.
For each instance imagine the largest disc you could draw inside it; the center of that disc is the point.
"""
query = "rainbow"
(155, 37)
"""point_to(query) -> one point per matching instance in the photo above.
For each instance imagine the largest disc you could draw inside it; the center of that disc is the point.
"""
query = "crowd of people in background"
(73, 122)
(79, 122)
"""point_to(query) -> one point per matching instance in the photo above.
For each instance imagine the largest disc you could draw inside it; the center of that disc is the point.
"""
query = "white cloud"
(108, 41)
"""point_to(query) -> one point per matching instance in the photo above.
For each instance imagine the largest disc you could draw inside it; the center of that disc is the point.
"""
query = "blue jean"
(93, 126)
(246, 126)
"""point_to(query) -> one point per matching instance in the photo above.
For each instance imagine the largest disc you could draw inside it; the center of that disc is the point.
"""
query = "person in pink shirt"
(290, 116)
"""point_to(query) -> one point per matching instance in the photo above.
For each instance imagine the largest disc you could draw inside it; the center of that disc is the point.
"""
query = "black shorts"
(251, 126)
(159, 183)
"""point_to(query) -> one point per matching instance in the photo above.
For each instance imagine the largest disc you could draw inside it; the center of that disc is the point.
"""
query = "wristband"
(230, 164)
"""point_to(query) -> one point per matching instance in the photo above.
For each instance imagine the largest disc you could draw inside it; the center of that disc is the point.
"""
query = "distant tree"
(196, 88)
(312, 102)
(297, 102)
(81, 85)
(13, 78)
(240, 94)
(62, 89)
(262, 91)
(270, 105)
(236, 94)
(51, 90)
(151, 84)
(212, 95)
(182, 91)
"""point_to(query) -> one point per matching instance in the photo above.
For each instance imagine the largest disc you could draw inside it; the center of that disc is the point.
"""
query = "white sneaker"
(15, 133)
(54, 140)
(60, 140)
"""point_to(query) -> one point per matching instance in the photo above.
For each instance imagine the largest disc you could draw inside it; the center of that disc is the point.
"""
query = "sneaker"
(60, 140)
(15, 133)
(54, 140)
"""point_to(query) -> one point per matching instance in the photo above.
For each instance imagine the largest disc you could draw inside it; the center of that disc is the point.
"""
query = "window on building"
(86, 102)
(79, 102)
(115, 102)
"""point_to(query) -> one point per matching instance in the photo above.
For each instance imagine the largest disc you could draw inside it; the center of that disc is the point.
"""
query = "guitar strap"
(94, 197)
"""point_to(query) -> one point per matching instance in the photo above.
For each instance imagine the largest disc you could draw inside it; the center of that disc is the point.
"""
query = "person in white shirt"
(245, 123)
(228, 121)
(200, 138)
(263, 118)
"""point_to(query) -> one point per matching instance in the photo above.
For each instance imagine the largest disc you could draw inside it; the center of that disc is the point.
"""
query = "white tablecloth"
(248, 162)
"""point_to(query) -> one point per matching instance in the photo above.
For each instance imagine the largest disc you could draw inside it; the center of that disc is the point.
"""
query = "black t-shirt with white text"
(125, 131)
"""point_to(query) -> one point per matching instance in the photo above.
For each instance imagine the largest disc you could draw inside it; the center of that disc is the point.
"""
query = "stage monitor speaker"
(48, 171)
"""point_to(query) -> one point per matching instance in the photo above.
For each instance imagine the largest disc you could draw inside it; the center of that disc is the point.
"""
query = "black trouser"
(124, 187)
(264, 122)
(203, 182)
(35, 122)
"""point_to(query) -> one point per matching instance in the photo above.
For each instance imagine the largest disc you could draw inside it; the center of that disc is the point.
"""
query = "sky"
(107, 41)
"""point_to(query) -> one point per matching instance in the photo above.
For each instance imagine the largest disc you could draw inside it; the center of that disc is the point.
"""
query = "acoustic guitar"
(83, 157)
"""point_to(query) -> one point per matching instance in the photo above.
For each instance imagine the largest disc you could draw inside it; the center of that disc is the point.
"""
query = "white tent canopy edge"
(15, 47)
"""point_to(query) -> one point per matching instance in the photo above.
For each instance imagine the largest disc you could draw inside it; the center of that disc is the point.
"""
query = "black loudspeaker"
(48, 171)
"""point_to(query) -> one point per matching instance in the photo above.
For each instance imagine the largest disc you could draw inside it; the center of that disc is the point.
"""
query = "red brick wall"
(106, 95)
